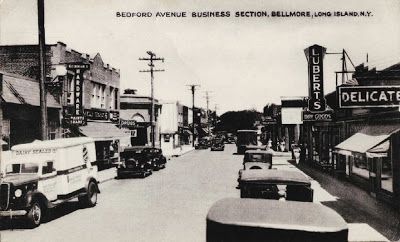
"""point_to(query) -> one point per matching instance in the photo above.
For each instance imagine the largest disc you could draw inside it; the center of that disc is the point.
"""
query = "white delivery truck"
(44, 174)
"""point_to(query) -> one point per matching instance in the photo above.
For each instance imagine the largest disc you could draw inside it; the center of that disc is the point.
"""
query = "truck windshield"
(22, 168)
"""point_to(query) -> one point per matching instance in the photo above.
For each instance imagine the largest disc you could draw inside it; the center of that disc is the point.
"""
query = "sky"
(244, 63)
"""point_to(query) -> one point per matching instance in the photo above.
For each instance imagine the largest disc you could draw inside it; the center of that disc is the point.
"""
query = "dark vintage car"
(202, 144)
(134, 163)
(275, 184)
(257, 159)
(155, 155)
(217, 145)
(246, 219)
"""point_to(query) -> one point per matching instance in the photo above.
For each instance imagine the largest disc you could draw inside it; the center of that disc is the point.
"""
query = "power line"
(152, 70)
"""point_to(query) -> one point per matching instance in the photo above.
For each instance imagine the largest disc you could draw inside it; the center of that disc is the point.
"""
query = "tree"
(232, 121)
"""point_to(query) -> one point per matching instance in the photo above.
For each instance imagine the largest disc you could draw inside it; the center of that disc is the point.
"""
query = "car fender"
(36, 195)
(92, 179)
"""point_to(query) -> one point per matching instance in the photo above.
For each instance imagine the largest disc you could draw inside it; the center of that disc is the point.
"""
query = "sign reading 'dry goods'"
(326, 115)
(78, 69)
(315, 55)
(368, 96)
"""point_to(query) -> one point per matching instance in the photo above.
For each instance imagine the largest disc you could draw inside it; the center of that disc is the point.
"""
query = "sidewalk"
(179, 151)
(368, 218)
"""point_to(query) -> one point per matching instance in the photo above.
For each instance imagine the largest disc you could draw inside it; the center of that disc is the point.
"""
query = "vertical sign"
(315, 55)
(78, 69)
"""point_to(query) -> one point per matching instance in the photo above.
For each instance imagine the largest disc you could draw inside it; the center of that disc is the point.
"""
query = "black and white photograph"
(208, 121)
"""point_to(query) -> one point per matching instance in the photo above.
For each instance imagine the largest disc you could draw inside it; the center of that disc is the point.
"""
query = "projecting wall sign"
(78, 69)
(315, 55)
(368, 96)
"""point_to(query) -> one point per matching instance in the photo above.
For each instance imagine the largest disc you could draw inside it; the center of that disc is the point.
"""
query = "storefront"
(21, 111)
(109, 140)
(369, 158)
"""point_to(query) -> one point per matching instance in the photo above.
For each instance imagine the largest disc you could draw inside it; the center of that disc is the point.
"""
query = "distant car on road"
(256, 220)
(257, 159)
(202, 144)
(134, 163)
(217, 145)
(275, 184)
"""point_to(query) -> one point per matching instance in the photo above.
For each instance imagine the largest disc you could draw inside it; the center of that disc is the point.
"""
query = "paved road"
(170, 205)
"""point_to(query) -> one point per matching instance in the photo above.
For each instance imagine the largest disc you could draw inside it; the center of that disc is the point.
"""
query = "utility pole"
(343, 65)
(207, 113)
(1, 127)
(152, 70)
(215, 119)
(42, 67)
(193, 89)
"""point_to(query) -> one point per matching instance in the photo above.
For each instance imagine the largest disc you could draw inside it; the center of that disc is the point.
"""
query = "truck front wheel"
(35, 214)
(90, 199)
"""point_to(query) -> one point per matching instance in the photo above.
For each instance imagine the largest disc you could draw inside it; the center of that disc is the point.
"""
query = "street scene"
(177, 202)
(187, 121)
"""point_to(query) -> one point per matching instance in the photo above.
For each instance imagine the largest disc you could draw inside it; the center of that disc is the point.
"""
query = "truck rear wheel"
(90, 198)
(35, 214)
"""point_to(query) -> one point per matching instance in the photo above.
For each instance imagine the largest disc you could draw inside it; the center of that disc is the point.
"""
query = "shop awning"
(371, 139)
(22, 90)
(379, 150)
(101, 131)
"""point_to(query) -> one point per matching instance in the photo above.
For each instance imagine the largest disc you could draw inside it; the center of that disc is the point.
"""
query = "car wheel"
(35, 214)
(90, 199)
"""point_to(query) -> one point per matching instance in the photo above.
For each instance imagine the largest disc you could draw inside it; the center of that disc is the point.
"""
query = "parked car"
(275, 184)
(134, 163)
(230, 139)
(158, 160)
(217, 145)
(202, 144)
(257, 159)
(44, 174)
(246, 219)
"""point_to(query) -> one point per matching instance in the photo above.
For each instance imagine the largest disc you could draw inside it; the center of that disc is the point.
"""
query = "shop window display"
(360, 166)
(387, 175)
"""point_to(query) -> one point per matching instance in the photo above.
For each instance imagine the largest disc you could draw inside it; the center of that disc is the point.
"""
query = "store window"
(387, 174)
(360, 166)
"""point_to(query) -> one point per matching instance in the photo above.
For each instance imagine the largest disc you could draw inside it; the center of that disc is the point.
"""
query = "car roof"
(273, 214)
(258, 152)
(56, 143)
(274, 176)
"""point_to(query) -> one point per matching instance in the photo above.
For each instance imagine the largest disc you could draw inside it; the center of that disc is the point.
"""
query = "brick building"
(97, 88)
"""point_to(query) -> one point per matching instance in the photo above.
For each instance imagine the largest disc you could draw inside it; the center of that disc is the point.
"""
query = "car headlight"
(18, 193)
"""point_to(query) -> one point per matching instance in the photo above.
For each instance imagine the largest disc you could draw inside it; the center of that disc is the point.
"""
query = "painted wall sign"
(368, 96)
(315, 55)
(326, 115)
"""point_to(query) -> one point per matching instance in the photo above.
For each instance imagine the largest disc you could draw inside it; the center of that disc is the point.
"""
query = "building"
(175, 127)
(135, 115)
(361, 142)
(88, 90)
(21, 111)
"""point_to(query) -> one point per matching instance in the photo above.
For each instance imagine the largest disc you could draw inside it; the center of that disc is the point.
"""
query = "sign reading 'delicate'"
(368, 96)
(315, 55)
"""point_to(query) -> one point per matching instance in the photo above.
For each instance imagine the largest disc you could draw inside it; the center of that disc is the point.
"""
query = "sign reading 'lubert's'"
(368, 96)
(315, 55)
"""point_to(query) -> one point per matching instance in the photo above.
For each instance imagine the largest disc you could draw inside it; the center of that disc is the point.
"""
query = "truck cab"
(44, 174)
